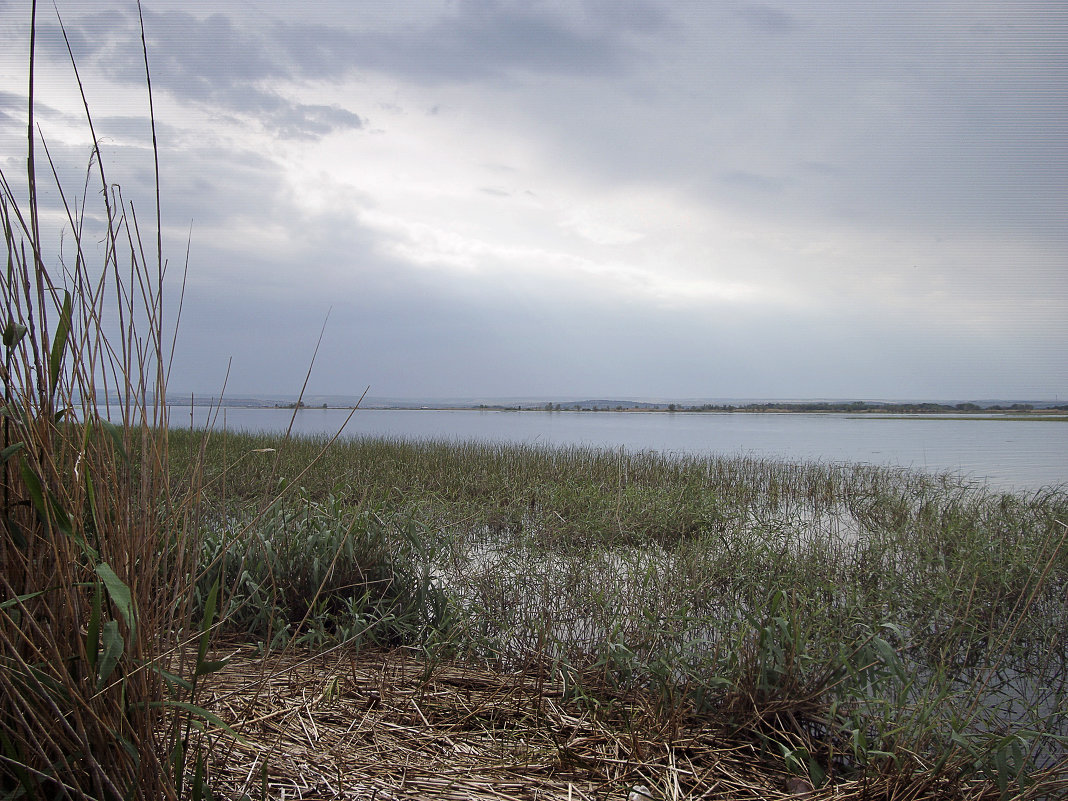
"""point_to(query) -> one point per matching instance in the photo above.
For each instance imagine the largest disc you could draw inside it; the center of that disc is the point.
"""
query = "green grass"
(841, 613)
(988, 417)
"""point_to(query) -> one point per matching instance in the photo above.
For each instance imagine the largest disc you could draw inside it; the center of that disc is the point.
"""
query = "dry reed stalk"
(382, 725)
(94, 562)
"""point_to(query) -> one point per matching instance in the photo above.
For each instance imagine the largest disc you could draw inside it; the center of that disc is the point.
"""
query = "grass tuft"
(97, 689)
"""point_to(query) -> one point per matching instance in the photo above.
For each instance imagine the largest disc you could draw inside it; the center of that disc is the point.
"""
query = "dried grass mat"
(386, 726)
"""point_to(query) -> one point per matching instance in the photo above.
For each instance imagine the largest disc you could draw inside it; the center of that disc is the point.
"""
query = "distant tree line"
(778, 406)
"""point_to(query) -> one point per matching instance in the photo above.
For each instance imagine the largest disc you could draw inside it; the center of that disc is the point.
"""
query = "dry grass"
(96, 563)
(383, 725)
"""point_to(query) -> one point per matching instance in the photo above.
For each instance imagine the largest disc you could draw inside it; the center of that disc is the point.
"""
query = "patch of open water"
(1025, 455)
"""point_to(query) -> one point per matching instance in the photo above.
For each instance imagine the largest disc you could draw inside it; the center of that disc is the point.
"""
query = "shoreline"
(1037, 417)
(1056, 414)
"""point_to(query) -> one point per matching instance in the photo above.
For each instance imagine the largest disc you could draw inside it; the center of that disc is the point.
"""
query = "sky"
(672, 199)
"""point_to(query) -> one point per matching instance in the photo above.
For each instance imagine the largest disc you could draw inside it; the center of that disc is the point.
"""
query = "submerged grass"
(847, 620)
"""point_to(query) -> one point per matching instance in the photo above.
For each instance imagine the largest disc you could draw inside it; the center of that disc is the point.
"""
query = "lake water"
(1025, 455)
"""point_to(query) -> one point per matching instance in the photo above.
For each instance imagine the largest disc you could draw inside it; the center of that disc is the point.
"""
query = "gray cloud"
(767, 19)
(406, 338)
(209, 60)
(889, 183)
(478, 39)
(196, 56)
(751, 181)
(11, 99)
(917, 127)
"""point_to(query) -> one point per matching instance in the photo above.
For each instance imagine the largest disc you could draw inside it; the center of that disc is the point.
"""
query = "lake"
(1010, 454)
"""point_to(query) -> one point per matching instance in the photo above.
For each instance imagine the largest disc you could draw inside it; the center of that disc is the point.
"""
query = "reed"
(98, 559)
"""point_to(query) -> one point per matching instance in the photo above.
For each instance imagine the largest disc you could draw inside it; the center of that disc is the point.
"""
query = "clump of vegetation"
(317, 572)
(849, 621)
(98, 684)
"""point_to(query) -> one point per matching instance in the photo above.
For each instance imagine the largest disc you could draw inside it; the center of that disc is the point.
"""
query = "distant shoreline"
(922, 411)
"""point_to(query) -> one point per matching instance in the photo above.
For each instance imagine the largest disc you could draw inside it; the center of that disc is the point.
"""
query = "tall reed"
(96, 561)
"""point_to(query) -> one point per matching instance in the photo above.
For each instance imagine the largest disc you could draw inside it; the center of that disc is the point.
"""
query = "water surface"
(1010, 454)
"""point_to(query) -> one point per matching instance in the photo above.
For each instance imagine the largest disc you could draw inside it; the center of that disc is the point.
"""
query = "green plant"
(851, 614)
(96, 568)
(319, 572)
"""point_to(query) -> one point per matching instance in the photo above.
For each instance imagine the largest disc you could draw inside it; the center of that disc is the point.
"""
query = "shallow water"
(1008, 454)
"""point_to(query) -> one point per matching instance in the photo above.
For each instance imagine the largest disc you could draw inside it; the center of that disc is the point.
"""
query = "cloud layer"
(598, 198)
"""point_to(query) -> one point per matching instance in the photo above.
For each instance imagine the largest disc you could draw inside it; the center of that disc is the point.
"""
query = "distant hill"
(603, 404)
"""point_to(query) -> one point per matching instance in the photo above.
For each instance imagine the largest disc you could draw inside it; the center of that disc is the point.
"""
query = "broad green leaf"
(13, 412)
(33, 486)
(41, 683)
(113, 647)
(889, 656)
(118, 592)
(205, 625)
(10, 602)
(201, 790)
(816, 774)
(198, 779)
(10, 451)
(172, 679)
(178, 763)
(59, 343)
(211, 667)
(199, 712)
(1017, 754)
(1001, 770)
(895, 629)
(131, 751)
(13, 333)
(15, 530)
(116, 432)
(60, 517)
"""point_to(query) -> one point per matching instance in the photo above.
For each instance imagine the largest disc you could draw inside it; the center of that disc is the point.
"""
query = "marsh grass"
(850, 620)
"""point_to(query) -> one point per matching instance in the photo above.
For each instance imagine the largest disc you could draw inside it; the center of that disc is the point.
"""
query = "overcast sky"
(588, 198)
